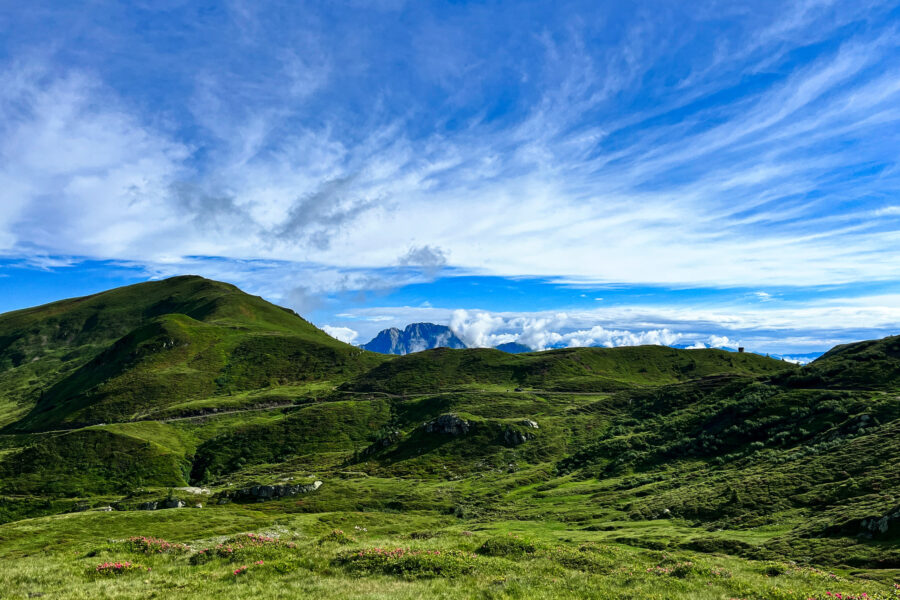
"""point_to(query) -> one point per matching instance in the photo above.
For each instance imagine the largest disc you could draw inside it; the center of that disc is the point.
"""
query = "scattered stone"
(147, 506)
(105, 509)
(198, 505)
(194, 490)
(173, 503)
(529, 423)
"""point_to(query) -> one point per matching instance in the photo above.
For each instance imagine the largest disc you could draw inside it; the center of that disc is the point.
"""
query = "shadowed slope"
(126, 352)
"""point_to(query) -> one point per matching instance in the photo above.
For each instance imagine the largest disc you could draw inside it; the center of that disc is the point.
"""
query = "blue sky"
(559, 173)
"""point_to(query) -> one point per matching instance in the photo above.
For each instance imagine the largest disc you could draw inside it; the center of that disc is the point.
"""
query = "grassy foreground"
(240, 552)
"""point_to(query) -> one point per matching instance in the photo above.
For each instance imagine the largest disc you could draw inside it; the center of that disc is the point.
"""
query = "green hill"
(569, 369)
(126, 353)
(871, 365)
(646, 471)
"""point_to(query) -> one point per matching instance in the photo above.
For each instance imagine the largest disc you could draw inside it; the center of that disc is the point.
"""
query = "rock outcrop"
(881, 526)
(261, 493)
(448, 424)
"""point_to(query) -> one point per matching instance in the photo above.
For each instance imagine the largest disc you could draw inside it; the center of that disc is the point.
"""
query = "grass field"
(377, 555)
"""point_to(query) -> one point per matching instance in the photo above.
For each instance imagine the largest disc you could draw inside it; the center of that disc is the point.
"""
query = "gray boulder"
(879, 526)
(448, 424)
(261, 493)
(173, 503)
(514, 437)
(147, 505)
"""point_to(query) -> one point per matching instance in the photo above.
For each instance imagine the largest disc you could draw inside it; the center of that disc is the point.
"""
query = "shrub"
(511, 545)
(589, 559)
(336, 536)
(111, 569)
(243, 548)
(407, 563)
(149, 545)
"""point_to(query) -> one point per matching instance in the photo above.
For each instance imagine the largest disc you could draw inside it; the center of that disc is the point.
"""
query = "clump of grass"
(410, 564)
(590, 558)
(508, 546)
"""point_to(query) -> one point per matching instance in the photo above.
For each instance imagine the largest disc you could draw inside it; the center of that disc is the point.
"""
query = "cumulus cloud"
(344, 334)
(483, 329)
(428, 258)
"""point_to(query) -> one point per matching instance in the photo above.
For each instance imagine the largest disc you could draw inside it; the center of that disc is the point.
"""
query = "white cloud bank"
(344, 334)
(788, 330)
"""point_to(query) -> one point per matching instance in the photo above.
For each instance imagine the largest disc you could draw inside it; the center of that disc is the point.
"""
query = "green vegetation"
(640, 472)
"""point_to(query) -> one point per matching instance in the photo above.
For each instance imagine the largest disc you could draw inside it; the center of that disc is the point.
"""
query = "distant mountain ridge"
(414, 338)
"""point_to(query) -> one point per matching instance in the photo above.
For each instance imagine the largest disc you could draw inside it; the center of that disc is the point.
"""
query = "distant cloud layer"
(324, 156)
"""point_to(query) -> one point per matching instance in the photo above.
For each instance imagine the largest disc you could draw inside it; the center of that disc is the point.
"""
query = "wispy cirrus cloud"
(687, 146)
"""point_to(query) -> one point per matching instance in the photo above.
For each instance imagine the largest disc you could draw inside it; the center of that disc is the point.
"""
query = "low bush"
(112, 569)
(244, 548)
(508, 546)
(149, 545)
(410, 564)
(336, 536)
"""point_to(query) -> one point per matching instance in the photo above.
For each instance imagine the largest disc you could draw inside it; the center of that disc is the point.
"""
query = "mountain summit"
(414, 338)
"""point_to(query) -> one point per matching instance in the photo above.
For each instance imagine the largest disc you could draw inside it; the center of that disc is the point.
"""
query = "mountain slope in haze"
(414, 338)
(129, 351)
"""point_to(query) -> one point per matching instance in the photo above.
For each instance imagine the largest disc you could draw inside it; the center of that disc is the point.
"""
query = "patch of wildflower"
(336, 536)
(360, 529)
(238, 548)
(117, 568)
(411, 564)
(149, 545)
(814, 572)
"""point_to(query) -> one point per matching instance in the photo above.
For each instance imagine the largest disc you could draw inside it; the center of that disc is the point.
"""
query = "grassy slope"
(126, 353)
(571, 369)
(651, 451)
(497, 560)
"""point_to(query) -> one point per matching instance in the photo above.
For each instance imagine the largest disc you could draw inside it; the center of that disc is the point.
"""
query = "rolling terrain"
(589, 472)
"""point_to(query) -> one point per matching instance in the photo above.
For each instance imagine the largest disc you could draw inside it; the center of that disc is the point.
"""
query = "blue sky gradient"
(559, 173)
